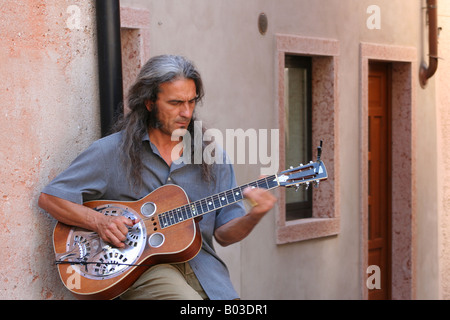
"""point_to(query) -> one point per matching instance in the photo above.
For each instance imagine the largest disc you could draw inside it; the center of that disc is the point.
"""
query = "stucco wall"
(49, 114)
(238, 66)
(443, 156)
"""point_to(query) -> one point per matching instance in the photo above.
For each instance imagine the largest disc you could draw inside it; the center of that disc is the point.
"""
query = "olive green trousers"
(166, 282)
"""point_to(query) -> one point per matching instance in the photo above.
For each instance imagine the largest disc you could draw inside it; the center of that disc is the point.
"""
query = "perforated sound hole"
(148, 209)
(156, 240)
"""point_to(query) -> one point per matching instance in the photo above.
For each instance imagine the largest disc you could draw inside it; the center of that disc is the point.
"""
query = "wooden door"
(379, 177)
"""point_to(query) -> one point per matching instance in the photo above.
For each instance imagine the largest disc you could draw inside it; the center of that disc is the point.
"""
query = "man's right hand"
(114, 229)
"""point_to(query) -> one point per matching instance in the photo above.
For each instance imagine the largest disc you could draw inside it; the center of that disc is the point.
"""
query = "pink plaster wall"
(49, 114)
(46, 92)
(135, 39)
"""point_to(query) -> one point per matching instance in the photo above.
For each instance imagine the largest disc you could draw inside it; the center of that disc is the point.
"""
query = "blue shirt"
(98, 173)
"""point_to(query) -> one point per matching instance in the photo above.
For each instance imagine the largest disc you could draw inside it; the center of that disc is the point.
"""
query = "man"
(137, 159)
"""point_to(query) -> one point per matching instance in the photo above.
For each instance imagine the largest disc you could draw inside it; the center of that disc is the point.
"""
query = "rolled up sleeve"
(85, 179)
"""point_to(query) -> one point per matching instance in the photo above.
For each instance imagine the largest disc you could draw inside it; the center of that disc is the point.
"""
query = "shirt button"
(169, 179)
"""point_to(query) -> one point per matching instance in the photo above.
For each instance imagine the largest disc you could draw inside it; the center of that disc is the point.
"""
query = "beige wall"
(50, 113)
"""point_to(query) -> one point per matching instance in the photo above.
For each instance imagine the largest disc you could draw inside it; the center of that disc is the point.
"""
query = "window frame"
(325, 220)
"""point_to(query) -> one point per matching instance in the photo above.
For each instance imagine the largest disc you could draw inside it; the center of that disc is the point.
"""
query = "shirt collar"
(155, 150)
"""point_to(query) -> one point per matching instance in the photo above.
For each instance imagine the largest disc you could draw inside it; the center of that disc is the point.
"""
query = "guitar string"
(216, 202)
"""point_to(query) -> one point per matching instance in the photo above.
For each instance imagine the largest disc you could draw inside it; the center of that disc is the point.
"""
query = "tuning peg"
(319, 151)
(296, 187)
(307, 185)
(316, 183)
(291, 167)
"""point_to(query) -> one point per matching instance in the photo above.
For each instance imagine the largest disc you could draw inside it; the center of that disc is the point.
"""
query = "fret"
(272, 182)
(266, 186)
(253, 184)
(210, 203)
(230, 196)
(194, 209)
(261, 184)
(198, 204)
(216, 201)
(237, 193)
(204, 205)
(172, 215)
(188, 211)
(161, 220)
(175, 216)
(171, 219)
(183, 213)
(191, 209)
(166, 219)
(180, 215)
(223, 199)
(241, 189)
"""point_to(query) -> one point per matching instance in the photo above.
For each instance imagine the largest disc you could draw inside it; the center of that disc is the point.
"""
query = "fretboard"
(212, 203)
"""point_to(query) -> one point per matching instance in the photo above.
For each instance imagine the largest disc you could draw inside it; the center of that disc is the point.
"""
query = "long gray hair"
(135, 124)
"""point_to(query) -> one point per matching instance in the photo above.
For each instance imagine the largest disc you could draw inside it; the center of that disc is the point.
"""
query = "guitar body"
(108, 272)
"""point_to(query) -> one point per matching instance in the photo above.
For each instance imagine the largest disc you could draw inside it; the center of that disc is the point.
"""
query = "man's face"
(175, 105)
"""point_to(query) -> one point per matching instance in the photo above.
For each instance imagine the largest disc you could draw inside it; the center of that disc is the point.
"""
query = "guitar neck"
(222, 199)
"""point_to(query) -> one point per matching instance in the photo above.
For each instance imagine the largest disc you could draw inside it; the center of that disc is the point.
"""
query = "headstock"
(304, 174)
(311, 172)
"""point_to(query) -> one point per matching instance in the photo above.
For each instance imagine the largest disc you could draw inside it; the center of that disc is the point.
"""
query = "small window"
(297, 104)
(316, 61)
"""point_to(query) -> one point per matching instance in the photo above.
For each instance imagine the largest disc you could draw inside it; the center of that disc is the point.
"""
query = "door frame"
(403, 215)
